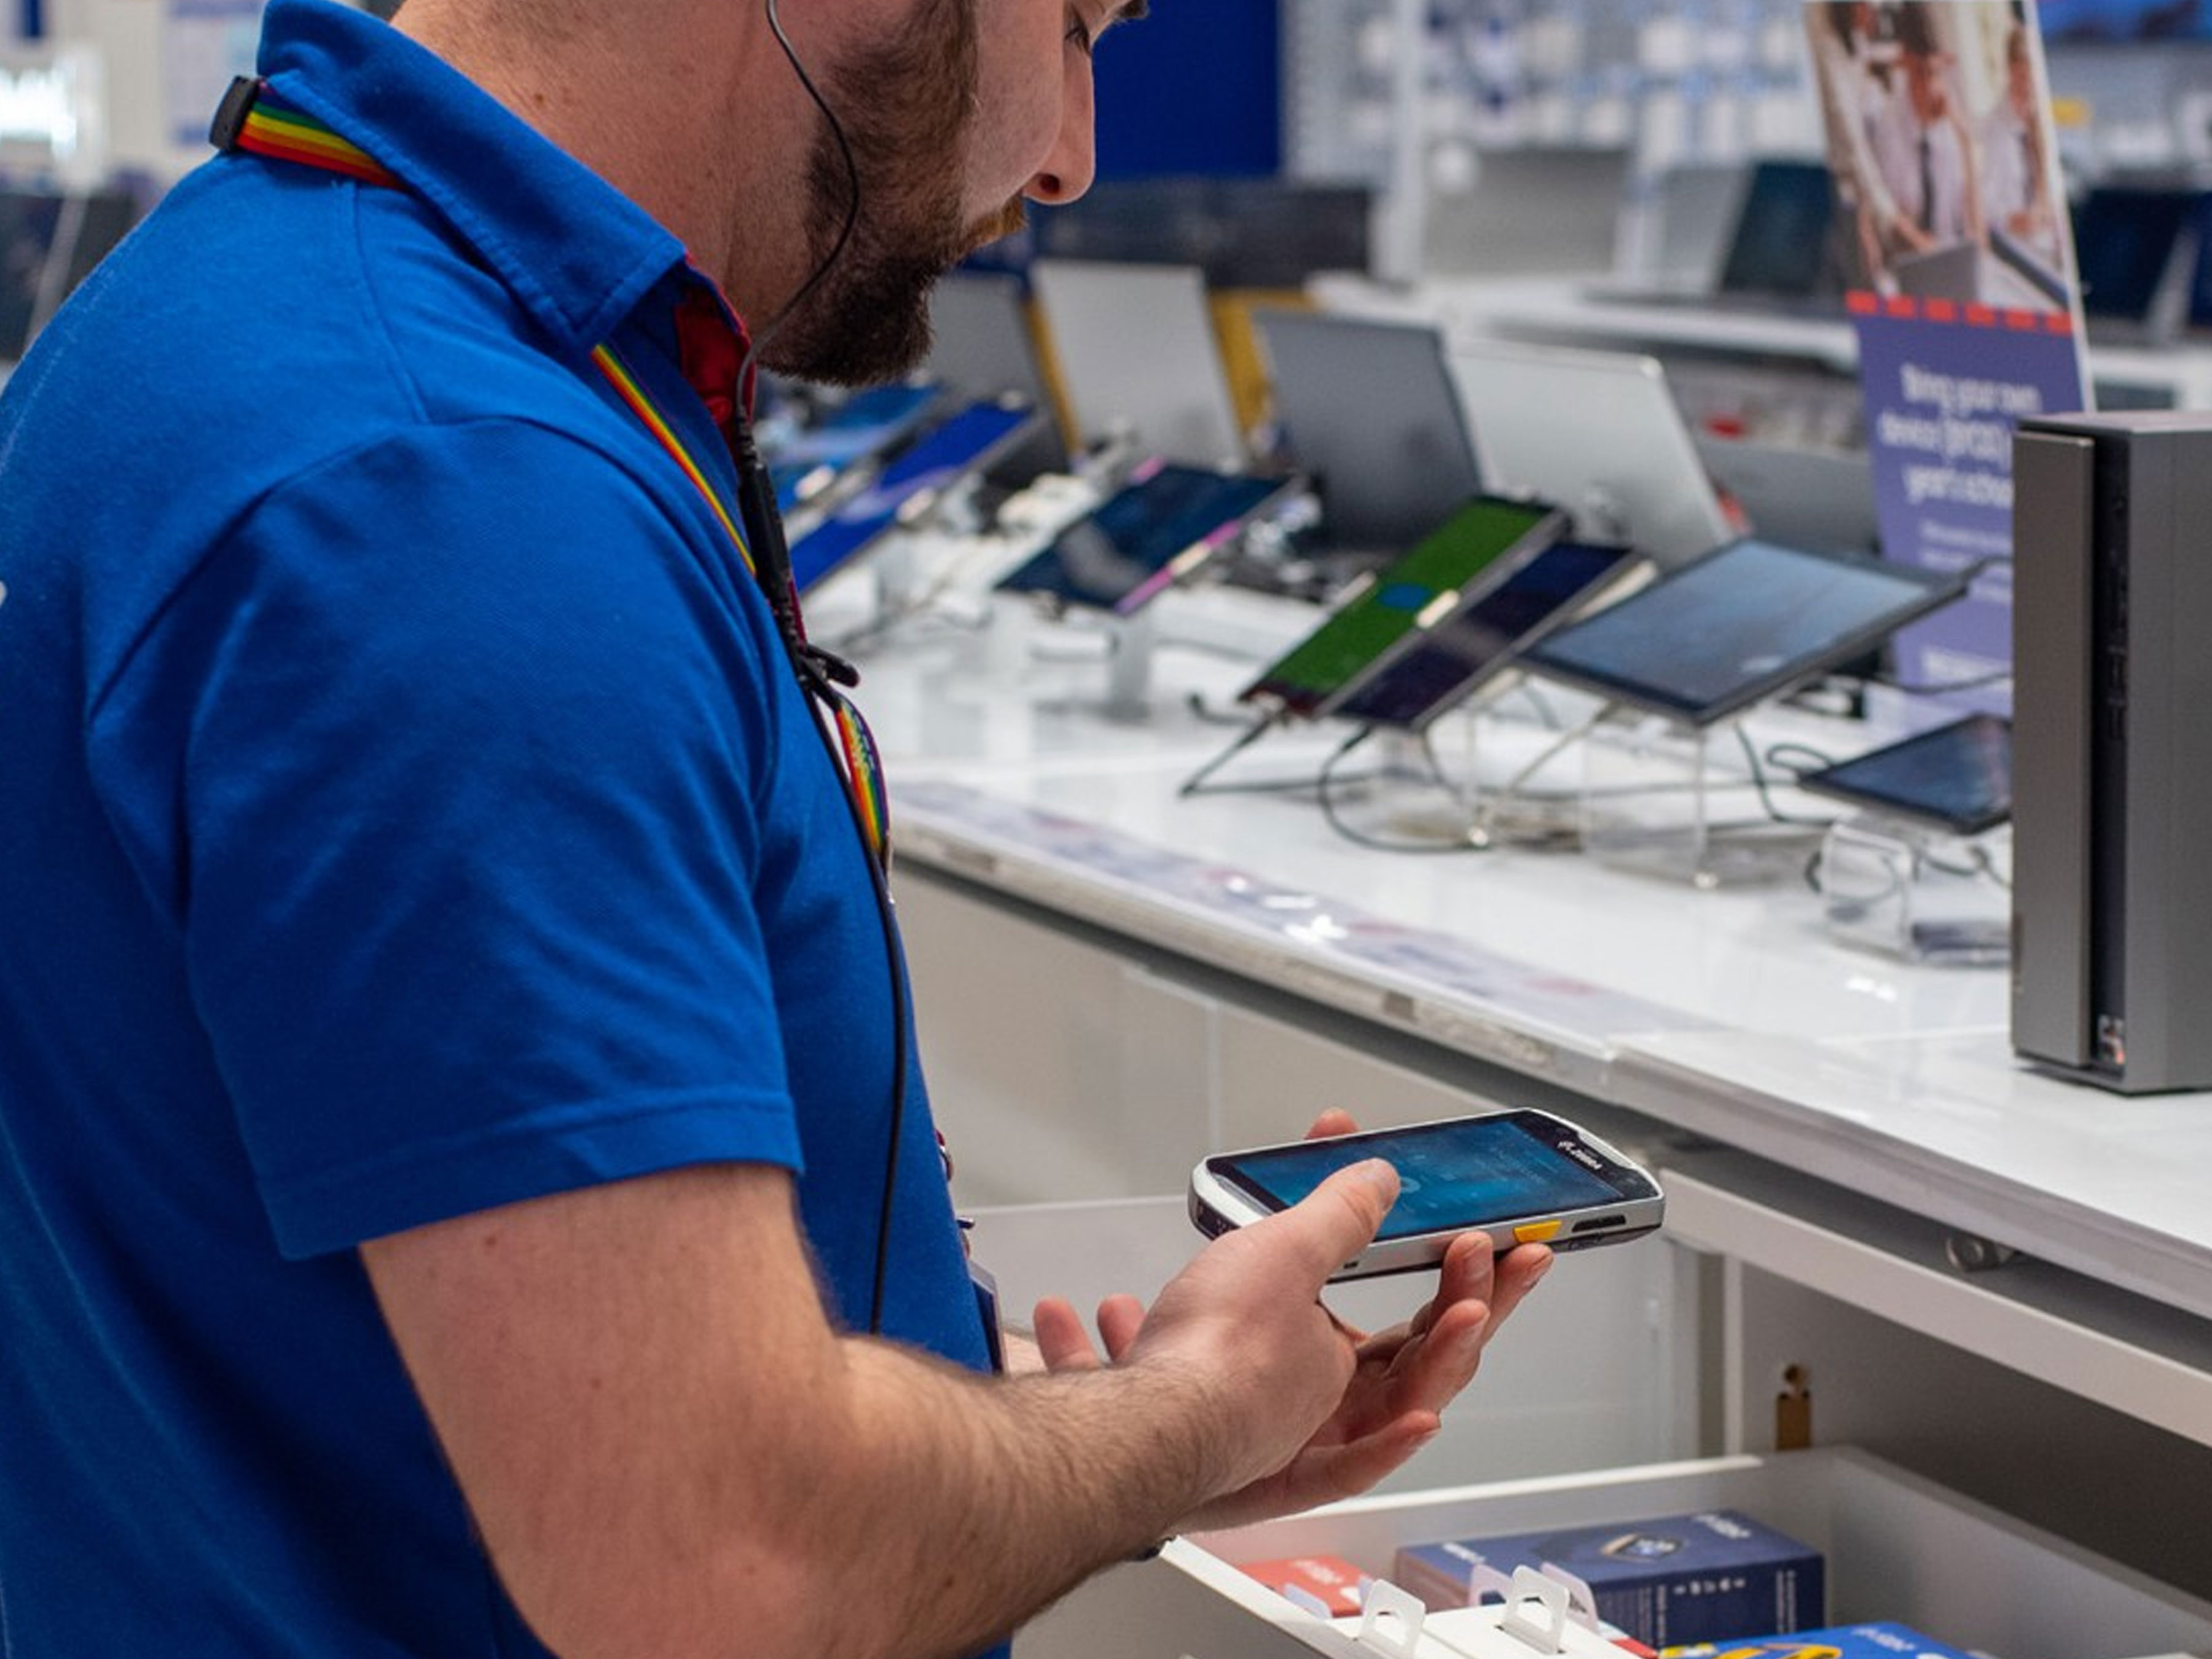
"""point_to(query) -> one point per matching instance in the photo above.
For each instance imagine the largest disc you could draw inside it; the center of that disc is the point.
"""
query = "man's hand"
(1393, 1388)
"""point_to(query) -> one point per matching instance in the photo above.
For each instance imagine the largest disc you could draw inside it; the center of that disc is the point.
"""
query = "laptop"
(1695, 206)
(1782, 255)
(1597, 432)
(1138, 359)
(1816, 498)
(981, 348)
(1368, 413)
(1953, 271)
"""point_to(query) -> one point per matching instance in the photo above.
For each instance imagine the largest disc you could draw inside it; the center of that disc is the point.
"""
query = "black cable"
(1207, 715)
(1774, 813)
(1194, 785)
(1816, 760)
(819, 671)
(1326, 780)
(754, 343)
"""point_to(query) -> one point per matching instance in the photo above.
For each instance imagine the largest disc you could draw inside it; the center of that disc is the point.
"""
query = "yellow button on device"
(1534, 1233)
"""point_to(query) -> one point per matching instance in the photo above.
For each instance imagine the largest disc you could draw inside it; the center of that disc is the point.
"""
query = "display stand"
(1129, 643)
(896, 577)
(1655, 800)
(1920, 894)
(1510, 813)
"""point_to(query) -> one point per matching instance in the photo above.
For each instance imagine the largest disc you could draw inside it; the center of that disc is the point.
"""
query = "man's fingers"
(1326, 1472)
(1121, 1319)
(1060, 1338)
(1334, 1121)
(1339, 1218)
(1518, 1273)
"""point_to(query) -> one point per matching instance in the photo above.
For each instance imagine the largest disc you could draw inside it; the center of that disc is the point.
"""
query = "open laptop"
(1782, 254)
(1694, 208)
(1138, 357)
(1953, 271)
(1368, 411)
(981, 348)
(1597, 432)
(1816, 498)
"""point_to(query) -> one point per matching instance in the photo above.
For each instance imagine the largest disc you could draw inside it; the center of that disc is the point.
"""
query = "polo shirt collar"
(577, 254)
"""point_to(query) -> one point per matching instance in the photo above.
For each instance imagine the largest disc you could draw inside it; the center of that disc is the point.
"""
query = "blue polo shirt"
(406, 807)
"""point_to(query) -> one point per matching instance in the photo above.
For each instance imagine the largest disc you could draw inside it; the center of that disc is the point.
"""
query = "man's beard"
(905, 109)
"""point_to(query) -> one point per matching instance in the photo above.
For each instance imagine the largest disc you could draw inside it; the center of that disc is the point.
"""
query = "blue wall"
(1193, 88)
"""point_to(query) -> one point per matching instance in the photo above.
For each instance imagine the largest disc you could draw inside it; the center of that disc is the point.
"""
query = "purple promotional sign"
(1943, 392)
(1963, 290)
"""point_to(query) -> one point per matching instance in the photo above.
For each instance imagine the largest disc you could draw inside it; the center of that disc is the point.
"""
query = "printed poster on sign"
(1953, 232)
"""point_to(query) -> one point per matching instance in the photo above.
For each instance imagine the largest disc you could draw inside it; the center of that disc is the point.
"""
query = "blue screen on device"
(1487, 1169)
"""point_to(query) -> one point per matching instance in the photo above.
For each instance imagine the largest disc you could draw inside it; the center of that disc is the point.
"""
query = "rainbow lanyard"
(254, 120)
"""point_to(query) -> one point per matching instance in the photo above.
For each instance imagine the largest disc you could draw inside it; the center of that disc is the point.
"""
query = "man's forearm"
(669, 1451)
(971, 1502)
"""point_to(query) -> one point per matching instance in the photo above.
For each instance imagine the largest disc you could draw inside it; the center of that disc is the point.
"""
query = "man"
(1922, 148)
(451, 1053)
(2020, 191)
(1853, 86)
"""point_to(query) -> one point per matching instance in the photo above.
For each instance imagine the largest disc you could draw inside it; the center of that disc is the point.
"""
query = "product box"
(1321, 1583)
(1880, 1641)
(1667, 1581)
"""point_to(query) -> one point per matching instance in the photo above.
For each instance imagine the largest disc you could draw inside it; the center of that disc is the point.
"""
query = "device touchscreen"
(1501, 1167)
(866, 424)
(1958, 776)
(964, 444)
(1166, 521)
(1746, 620)
(1452, 661)
(1414, 595)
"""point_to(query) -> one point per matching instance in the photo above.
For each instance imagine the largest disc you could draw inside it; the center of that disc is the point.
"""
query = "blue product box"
(1669, 1581)
(1877, 1641)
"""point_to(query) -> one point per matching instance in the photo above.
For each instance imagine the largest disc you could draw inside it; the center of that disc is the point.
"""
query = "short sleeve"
(450, 763)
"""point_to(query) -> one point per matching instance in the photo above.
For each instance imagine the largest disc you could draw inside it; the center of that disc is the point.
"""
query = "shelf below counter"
(1896, 1547)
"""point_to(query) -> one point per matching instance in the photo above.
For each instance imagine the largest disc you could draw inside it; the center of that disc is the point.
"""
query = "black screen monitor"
(1746, 621)
(2125, 237)
(1781, 248)
(1453, 661)
(1160, 527)
(1244, 233)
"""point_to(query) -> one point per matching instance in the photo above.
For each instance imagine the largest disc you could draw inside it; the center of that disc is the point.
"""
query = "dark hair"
(1915, 30)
